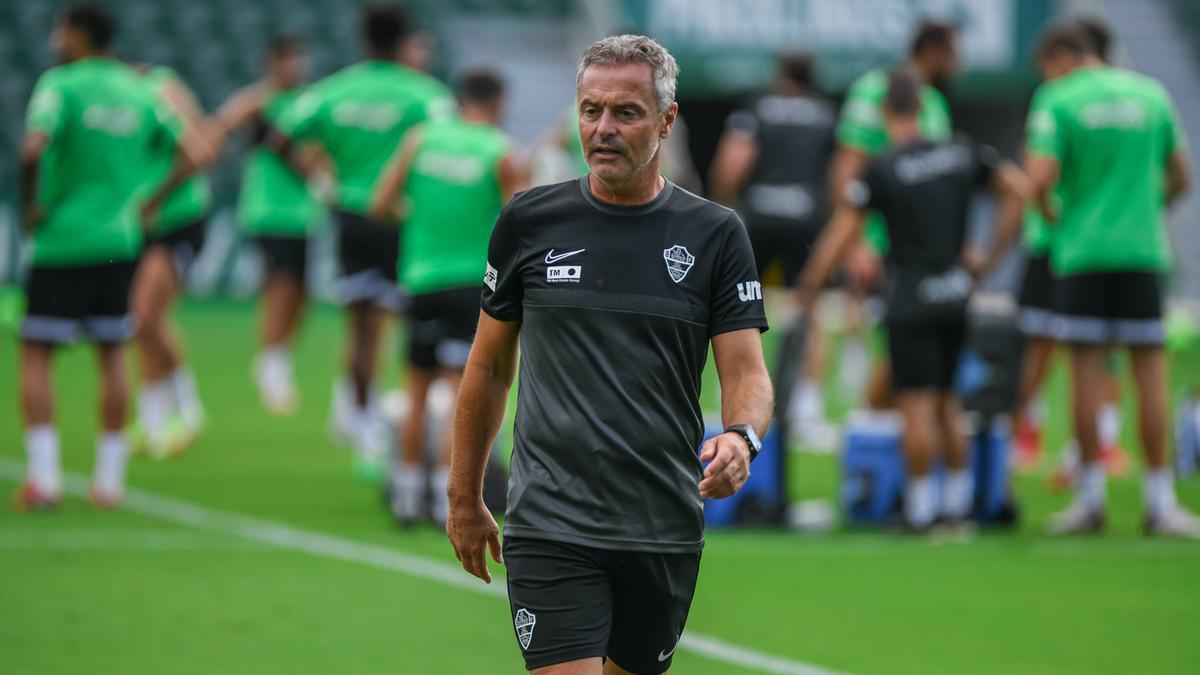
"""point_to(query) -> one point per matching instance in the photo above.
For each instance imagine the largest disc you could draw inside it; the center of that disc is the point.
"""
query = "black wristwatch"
(747, 432)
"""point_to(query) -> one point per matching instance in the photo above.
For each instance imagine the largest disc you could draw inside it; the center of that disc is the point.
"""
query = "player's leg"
(1035, 300)
(281, 308)
(652, 595)
(916, 354)
(408, 473)
(154, 289)
(112, 450)
(1086, 513)
(366, 325)
(561, 602)
(1108, 420)
(958, 490)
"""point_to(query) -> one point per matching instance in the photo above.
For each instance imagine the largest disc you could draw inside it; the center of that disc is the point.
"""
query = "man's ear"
(669, 120)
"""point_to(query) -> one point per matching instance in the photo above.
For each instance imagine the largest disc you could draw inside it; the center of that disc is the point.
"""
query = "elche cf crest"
(524, 622)
(679, 261)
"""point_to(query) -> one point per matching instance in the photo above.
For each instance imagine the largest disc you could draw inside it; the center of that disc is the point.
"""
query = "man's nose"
(607, 125)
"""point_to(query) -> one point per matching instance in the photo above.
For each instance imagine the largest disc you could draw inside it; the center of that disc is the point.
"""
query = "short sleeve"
(1043, 133)
(302, 118)
(743, 122)
(503, 289)
(861, 123)
(169, 127)
(737, 300)
(45, 112)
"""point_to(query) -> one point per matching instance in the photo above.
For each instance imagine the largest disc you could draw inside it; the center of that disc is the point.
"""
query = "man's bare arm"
(731, 168)
(513, 172)
(844, 229)
(477, 417)
(32, 149)
(1043, 174)
(847, 165)
(237, 111)
(395, 175)
(1014, 190)
(746, 398)
(1179, 176)
(187, 162)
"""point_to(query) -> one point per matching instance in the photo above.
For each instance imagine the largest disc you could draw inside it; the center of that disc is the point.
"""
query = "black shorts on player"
(1036, 298)
(441, 327)
(284, 256)
(789, 245)
(924, 354)
(67, 303)
(572, 602)
(183, 244)
(1124, 308)
(368, 251)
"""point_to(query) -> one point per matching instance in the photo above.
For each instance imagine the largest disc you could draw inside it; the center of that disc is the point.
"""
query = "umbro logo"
(749, 290)
(551, 258)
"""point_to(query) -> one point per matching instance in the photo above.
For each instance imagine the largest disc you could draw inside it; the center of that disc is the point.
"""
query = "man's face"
(945, 67)
(65, 41)
(619, 123)
(290, 68)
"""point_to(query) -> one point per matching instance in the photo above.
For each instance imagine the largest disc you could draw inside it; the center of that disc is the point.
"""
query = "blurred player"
(1036, 301)
(1110, 141)
(91, 129)
(277, 209)
(359, 116)
(772, 162)
(861, 133)
(923, 189)
(170, 414)
(456, 174)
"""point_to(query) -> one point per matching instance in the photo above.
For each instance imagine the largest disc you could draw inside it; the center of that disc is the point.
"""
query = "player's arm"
(513, 172)
(236, 112)
(746, 398)
(1179, 176)
(395, 176)
(844, 230)
(477, 417)
(731, 168)
(190, 156)
(198, 133)
(1043, 172)
(32, 149)
(1013, 190)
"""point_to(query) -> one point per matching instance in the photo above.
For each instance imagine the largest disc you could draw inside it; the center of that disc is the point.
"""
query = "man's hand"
(864, 266)
(149, 213)
(33, 217)
(975, 262)
(472, 530)
(729, 465)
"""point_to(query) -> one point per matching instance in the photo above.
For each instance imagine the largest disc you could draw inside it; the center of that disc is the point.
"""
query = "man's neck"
(477, 115)
(83, 56)
(641, 188)
(904, 131)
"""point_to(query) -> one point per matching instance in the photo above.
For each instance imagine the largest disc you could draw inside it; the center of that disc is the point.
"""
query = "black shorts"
(791, 246)
(284, 256)
(183, 244)
(574, 602)
(1036, 298)
(66, 303)
(368, 251)
(1123, 308)
(924, 354)
(441, 327)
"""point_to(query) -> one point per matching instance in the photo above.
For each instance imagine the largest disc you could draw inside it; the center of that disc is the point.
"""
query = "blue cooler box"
(762, 500)
(873, 469)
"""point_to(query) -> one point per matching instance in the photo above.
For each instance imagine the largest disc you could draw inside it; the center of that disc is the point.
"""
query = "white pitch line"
(29, 539)
(328, 546)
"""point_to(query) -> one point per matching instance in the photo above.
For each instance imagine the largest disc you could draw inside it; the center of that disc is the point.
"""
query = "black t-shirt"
(923, 189)
(617, 306)
(795, 136)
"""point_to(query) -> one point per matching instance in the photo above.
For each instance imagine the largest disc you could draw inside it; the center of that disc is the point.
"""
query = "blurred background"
(257, 553)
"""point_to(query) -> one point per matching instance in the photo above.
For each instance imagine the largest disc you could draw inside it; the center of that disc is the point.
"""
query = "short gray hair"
(620, 50)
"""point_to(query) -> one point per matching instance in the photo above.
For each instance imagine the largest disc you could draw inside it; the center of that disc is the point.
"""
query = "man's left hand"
(729, 465)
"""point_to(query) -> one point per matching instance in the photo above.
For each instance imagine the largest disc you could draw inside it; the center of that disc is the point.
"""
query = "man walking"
(615, 284)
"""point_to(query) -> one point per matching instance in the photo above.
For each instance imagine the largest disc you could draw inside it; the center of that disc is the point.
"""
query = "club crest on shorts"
(679, 261)
(524, 622)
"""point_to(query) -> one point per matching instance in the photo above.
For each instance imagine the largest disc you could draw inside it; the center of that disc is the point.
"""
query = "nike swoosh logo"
(663, 656)
(551, 258)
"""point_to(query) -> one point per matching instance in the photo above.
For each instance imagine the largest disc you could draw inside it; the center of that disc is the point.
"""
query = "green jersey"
(454, 193)
(861, 127)
(1112, 132)
(190, 201)
(574, 144)
(360, 114)
(273, 199)
(103, 123)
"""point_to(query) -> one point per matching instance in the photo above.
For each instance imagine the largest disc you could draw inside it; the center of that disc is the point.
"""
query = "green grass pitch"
(127, 592)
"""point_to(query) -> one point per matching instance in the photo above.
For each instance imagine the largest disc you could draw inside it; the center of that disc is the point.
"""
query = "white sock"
(441, 503)
(958, 494)
(45, 467)
(920, 502)
(407, 488)
(109, 473)
(809, 406)
(184, 387)
(1092, 485)
(154, 406)
(1158, 490)
(1108, 425)
(1035, 411)
(369, 433)
(855, 364)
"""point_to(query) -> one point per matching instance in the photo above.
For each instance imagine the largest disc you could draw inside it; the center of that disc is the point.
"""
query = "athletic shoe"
(1027, 439)
(952, 530)
(104, 500)
(342, 415)
(1076, 519)
(178, 435)
(30, 498)
(276, 389)
(139, 442)
(1174, 522)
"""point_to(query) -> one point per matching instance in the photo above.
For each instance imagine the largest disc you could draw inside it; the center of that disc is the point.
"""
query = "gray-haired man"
(614, 284)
